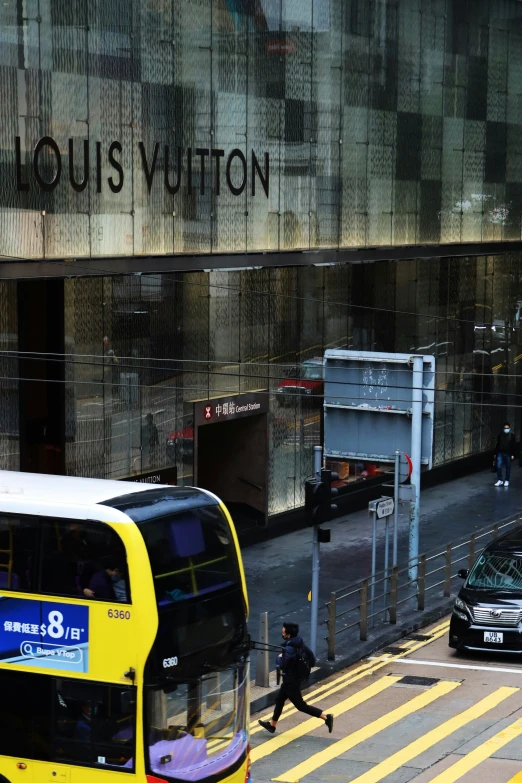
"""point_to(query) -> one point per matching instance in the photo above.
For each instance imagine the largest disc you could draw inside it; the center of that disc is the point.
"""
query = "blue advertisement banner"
(44, 634)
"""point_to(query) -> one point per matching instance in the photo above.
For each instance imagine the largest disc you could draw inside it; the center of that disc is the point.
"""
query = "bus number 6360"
(168, 662)
(119, 614)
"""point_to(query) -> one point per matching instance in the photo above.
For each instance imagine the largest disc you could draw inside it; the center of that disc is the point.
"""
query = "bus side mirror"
(462, 573)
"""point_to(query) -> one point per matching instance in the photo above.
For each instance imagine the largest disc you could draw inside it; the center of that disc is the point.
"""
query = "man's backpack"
(305, 660)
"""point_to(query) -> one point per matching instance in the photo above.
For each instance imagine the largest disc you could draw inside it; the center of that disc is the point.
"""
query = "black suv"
(488, 611)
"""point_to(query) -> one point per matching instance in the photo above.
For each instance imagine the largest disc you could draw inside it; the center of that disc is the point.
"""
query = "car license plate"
(493, 638)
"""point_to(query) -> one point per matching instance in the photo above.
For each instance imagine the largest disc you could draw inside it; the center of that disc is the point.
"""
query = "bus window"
(197, 730)
(25, 706)
(191, 553)
(18, 553)
(83, 559)
(94, 724)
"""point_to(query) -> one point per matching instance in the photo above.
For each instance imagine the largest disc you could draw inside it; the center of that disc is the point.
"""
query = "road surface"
(418, 712)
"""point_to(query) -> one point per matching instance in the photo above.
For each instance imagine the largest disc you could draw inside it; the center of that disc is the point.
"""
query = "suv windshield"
(191, 553)
(496, 572)
(197, 730)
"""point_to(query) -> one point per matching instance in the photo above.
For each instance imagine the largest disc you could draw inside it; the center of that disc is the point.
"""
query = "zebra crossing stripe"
(337, 749)
(414, 749)
(480, 754)
(280, 740)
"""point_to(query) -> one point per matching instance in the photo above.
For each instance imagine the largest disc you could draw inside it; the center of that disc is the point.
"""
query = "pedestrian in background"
(295, 662)
(504, 454)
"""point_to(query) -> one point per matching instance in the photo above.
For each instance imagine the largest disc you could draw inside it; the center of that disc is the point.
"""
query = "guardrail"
(352, 607)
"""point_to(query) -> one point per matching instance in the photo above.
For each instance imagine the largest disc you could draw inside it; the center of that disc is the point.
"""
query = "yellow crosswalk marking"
(354, 675)
(336, 749)
(517, 778)
(414, 749)
(483, 752)
(280, 740)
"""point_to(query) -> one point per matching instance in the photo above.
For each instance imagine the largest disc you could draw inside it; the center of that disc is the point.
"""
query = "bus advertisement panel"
(39, 633)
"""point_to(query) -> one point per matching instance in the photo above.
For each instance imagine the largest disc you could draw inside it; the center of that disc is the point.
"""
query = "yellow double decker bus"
(123, 638)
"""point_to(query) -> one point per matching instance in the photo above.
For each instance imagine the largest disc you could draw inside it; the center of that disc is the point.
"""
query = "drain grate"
(395, 650)
(418, 637)
(423, 682)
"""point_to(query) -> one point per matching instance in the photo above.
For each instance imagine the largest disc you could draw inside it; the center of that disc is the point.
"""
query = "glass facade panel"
(148, 347)
(162, 126)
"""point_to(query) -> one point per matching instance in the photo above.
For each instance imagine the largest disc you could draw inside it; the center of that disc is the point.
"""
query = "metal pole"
(318, 462)
(374, 562)
(332, 615)
(129, 427)
(416, 443)
(262, 662)
(396, 510)
(386, 552)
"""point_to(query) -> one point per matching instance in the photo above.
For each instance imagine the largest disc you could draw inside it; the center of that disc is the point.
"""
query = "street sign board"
(385, 508)
(369, 398)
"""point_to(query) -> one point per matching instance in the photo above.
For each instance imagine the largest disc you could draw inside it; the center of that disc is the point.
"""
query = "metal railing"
(352, 612)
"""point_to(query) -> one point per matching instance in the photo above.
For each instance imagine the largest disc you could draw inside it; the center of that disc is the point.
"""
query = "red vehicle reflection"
(185, 436)
(305, 380)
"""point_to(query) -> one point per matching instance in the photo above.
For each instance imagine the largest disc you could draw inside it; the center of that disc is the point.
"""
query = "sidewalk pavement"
(278, 572)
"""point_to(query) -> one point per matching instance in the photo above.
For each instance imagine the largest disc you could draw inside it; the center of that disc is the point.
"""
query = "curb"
(364, 649)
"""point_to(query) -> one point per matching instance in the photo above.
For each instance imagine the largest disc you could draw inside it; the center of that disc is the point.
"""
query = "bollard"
(421, 584)
(262, 660)
(332, 611)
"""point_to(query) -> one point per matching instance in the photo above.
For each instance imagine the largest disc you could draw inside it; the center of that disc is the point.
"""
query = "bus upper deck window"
(84, 560)
(18, 553)
(191, 553)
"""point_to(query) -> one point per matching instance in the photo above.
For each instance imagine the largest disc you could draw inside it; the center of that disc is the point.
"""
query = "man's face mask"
(507, 429)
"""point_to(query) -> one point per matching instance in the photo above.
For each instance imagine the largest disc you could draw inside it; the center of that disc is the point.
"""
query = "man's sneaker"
(329, 722)
(267, 725)
(499, 484)
(506, 483)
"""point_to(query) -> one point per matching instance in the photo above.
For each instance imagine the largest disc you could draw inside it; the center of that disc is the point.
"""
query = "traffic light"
(328, 509)
(314, 490)
(318, 498)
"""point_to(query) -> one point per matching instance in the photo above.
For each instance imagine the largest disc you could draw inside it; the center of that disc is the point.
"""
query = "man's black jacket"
(287, 662)
(506, 444)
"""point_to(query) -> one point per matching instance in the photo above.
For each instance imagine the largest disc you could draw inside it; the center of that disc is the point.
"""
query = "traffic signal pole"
(316, 565)
(416, 448)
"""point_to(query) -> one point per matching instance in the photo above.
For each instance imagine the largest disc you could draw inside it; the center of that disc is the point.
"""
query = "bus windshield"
(191, 553)
(198, 729)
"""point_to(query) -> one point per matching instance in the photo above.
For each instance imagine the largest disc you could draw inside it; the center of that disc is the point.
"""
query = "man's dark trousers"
(503, 460)
(290, 690)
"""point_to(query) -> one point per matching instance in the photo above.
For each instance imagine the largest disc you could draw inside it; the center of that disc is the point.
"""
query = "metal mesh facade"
(385, 122)
(145, 348)
(9, 374)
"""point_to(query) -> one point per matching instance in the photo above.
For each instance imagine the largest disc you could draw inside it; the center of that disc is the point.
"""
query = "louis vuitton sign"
(186, 169)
